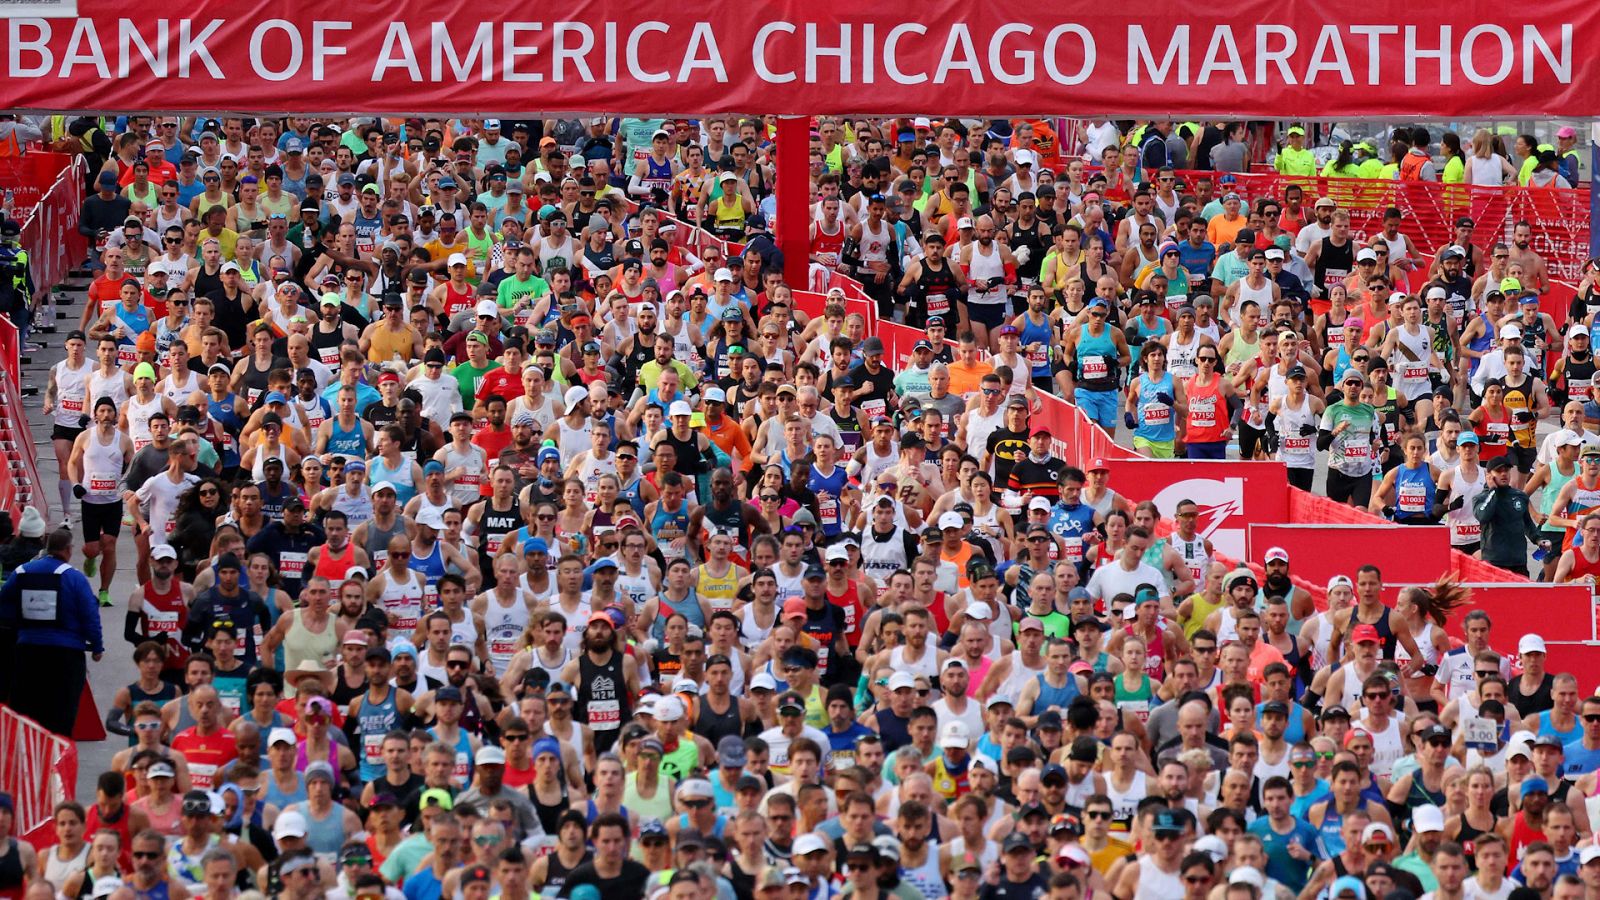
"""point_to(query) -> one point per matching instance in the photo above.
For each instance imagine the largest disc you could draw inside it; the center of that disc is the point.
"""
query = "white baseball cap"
(487, 308)
(1276, 554)
(1426, 818)
(836, 551)
(163, 551)
(669, 708)
(282, 736)
(1039, 503)
(978, 612)
(1530, 643)
(575, 394)
(902, 680)
(964, 222)
(1025, 157)
(290, 824)
(680, 408)
(951, 520)
(955, 735)
(457, 259)
(723, 275)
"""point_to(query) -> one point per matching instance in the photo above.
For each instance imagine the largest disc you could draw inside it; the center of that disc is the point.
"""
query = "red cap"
(794, 606)
(1363, 633)
(1039, 428)
(1099, 465)
(599, 615)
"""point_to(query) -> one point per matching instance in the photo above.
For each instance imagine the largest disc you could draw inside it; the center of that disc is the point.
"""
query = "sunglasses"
(455, 664)
(1098, 814)
(1486, 673)
(1196, 879)
(146, 854)
(1376, 695)
(1591, 717)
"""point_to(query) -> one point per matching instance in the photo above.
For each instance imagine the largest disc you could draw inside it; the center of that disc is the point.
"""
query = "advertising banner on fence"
(1231, 495)
(1008, 58)
(1317, 552)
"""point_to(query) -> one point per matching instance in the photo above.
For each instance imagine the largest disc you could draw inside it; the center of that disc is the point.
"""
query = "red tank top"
(206, 755)
(333, 567)
(1581, 566)
(941, 618)
(1154, 654)
(455, 302)
(827, 247)
(854, 612)
(120, 826)
(165, 616)
(1522, 834)
(1208, 411)
(1494, 434)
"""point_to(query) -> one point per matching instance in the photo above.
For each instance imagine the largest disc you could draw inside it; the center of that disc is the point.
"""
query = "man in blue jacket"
(50, 610)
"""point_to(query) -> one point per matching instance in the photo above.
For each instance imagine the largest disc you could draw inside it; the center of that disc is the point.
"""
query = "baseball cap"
(1276, 554)
(1530, 643)
(1364, 633)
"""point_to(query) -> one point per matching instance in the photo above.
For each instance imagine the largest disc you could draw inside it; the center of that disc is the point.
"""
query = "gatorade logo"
(1222, 510)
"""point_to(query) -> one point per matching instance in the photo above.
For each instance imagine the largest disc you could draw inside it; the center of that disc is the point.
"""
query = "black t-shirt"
(230, 316)
(1007, 446)
(628, 883)
(1035, 886)
(881, 386)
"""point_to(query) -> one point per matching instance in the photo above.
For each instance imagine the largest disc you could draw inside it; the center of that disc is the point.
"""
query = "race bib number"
(1074, 549)
(1465, 532)
(1331, 277)
(1356, 452)
(1095, 367)
(1579, 388)
(1499, 432)
(1481, 733)
(829, 507)
(102, 484)
(1413, 499)
(1039, 357)
(605, 715)
(502, 646)
(72, 404)
(372, 748)
(161, 621)
(1203, 412)
(1157, 415)
(127, 356)
(938, 304)
(1296, 444)
(1411, 372)
(874, 407)
(329, 356)
(291, 565)
(252, 395)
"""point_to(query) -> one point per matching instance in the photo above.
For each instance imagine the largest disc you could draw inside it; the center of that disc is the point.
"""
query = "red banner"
(1231, 495)
(1319, 552)
(38, 769)
(1385, 58)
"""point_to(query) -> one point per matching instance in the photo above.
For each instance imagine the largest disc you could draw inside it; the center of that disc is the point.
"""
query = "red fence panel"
(38, 769)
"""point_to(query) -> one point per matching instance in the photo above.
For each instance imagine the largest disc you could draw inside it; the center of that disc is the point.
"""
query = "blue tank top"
(1096, 360)
(404, 490)
(828, 509)
(432, 566)
(674, 522)
(277, 797)
(351, 442)
(689, 607)
(134, 323)
(324, 836)
(1332, 822)
(1342, 364)
(593, 812)
(630, 493)
(1055, 697)
(1145, 332)
(1037, 334)
(367, 229)
(1413, 493)
(1155, 419)
(1296, 732)
(463, 770)
(374, 721)
(1482, 342)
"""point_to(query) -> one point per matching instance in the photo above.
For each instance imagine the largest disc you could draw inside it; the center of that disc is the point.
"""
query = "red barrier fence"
(50, 230)
(19, 479)
(1560, 218)
(38, 769)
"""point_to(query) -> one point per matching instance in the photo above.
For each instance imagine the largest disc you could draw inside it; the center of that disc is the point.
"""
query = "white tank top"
(263, 453)
(577, 620)
(1295, 450)
(1261, 295)
(356, 509)
(571, 441)
(980, 426)
(1488, 172)
(502, 626)
(425, 506)
(475, 464)
(1155, 884)
(1181, 356)
(178, 391)
(875, 244)
(637, 588)
(1412, 375)
(1020, 675)
(927, 666)
(1425, 644)
(464, 632)
(1125, 803)
(926, 877)
(544, 412)
(72, 394)
(876, 465)
(102, 468)
(139, 413)
(880, 559)
(1464, 527)
(1277, 383)
(981, 268)
(788, 585)
(590, 474)
(165, 221)
(403, 600)
(1193, 553)
(751, 633)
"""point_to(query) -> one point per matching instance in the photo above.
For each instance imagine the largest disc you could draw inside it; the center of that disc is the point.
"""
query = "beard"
(1278, 583)
(595, 643)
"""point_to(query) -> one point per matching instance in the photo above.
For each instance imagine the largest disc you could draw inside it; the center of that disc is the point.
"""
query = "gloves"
(79, 491)
(996, 281)
(1022, 254)
(1307, 430)
(1523, 416)
(1388, 512)
(1457, 503)
(1164, 397)
(1128, 420)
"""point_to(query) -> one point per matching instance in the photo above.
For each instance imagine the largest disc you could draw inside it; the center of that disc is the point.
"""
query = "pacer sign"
(1382, 58)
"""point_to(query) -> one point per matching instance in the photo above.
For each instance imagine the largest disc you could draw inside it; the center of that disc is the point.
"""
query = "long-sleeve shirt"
(99, 214)
(68, 618)
(1508, 527)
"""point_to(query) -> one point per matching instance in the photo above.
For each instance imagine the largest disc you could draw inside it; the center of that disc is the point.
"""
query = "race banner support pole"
(793, 228)
(1594, 189)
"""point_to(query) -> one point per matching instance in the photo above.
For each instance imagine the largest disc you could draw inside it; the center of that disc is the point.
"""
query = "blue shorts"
(1207, 449)
(1101, 406)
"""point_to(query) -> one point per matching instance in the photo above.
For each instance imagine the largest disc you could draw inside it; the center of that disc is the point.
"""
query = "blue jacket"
(72, 611)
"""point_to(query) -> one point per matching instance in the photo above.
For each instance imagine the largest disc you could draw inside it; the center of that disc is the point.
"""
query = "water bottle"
(8, 202)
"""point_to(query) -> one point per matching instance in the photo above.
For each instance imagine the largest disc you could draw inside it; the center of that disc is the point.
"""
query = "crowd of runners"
(502, 531)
